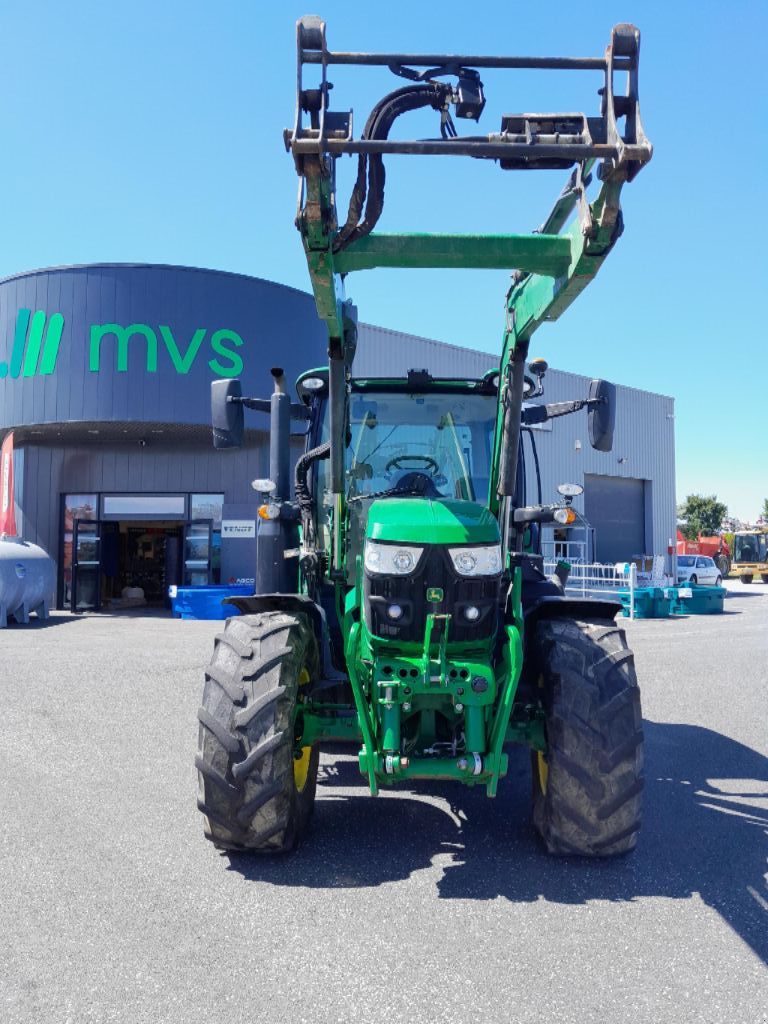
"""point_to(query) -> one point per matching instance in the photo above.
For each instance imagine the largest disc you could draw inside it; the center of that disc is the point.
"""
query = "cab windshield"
(749, 547)
(435, 444)
(429, 444)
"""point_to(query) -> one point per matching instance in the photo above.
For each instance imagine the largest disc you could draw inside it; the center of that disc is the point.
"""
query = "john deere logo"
(35, 348)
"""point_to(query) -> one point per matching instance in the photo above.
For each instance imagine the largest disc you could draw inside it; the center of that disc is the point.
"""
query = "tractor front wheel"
(587, 788)
(746, 577)
(255, 792)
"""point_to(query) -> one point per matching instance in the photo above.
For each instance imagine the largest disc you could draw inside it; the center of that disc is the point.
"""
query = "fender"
(552, 606)
(303, 605)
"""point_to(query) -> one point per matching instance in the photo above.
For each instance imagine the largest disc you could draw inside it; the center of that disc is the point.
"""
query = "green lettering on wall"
(123, 335)
(218, 346)
(183, 364)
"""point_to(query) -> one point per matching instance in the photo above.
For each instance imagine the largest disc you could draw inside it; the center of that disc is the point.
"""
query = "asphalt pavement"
(428, 904)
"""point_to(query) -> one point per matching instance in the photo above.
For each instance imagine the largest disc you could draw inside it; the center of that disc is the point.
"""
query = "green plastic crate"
(650, 603)
(703, 600)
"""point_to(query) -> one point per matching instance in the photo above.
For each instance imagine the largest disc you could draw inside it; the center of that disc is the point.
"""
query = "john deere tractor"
(401, 601)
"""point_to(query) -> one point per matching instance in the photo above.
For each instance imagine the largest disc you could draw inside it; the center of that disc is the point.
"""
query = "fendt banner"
(7, 507)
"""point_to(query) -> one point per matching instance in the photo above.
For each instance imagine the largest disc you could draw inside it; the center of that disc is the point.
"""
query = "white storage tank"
(27, 580)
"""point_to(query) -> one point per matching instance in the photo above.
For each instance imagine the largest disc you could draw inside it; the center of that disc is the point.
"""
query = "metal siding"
(45, 473)
(81, 404)
(385, 353)
(644, 434)
(276, 323)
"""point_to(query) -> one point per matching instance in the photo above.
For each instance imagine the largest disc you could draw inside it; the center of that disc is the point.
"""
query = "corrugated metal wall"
(44, 473)
(270, 322)
(385, 353)
(644, 440)
(277, 325)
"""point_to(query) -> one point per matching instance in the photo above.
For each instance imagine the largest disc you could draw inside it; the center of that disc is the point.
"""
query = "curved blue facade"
(105, 375)
(141, 343)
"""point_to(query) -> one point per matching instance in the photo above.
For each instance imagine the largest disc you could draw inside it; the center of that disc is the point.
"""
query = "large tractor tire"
(253, 792)
(723, 564)
(587, 788)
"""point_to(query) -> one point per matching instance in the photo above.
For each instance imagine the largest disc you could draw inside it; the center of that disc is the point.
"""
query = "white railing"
(600, 580)
(572, 551)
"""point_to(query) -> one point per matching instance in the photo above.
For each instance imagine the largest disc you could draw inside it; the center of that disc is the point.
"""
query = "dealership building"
(105, 375)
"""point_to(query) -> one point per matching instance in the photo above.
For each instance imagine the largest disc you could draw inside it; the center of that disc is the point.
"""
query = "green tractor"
(401, 601)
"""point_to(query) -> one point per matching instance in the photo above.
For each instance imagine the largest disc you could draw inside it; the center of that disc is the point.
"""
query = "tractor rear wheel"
(254, 793)
(587, 788)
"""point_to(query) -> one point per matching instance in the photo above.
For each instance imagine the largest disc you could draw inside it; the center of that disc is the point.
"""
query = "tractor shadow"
(705, 832)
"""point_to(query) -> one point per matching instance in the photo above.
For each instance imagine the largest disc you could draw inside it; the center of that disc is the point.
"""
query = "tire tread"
(247, 792)
(592, 803)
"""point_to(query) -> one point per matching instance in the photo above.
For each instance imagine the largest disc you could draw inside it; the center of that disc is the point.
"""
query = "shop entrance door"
(198, 550)
(86, 566)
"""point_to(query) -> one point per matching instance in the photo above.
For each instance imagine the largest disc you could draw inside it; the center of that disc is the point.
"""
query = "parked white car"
(698, 570)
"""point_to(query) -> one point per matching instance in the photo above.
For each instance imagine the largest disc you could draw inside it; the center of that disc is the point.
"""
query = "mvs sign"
(223, 343)
(37, 338)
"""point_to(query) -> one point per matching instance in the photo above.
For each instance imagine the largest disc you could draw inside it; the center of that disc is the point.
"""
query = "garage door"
(615, 506)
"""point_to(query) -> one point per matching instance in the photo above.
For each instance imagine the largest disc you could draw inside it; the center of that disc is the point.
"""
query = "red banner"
(7, 507)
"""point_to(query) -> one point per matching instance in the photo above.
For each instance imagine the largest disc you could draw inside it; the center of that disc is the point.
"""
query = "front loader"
(401, 601)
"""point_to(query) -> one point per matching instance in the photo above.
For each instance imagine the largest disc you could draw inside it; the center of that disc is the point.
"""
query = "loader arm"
(551, 265)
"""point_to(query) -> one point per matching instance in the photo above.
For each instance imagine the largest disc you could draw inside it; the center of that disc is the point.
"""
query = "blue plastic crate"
(206, 602)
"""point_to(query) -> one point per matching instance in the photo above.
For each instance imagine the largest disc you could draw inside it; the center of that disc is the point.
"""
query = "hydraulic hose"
(370, 168)
(303, 493)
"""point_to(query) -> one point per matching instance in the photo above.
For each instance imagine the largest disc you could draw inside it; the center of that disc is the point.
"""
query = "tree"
(764, 513)
(700, 514)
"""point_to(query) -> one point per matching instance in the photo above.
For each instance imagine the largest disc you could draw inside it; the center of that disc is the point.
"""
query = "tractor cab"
(415, 438)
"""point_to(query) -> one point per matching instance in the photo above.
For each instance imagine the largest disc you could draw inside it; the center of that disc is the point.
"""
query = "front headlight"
(391, 559)
(485, 561)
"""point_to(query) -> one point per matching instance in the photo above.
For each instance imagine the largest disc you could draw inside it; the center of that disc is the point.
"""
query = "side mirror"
(227, 417)
(602, 414)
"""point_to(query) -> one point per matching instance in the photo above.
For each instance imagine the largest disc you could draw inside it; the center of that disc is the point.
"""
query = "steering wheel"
(426, 461)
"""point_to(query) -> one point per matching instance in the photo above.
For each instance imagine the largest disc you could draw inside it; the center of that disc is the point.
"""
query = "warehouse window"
(209, 506)
(149, 506)
(75, 506)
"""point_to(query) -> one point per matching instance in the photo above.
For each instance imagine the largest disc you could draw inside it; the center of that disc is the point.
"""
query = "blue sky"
(151, 132)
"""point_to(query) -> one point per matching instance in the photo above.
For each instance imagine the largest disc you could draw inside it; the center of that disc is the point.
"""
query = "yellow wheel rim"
(543, 768)
(301, 768)
(301, 763)
(541, 761)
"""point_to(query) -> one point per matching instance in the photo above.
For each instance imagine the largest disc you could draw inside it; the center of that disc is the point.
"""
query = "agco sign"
(37, 338)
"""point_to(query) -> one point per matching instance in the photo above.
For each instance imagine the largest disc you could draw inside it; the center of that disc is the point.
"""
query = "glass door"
(197, 553)
(86, 566)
